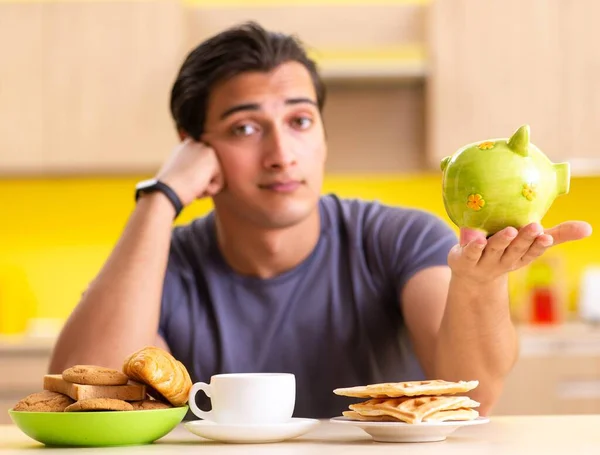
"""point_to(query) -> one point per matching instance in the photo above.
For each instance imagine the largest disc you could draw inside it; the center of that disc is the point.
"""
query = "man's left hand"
(483, 260)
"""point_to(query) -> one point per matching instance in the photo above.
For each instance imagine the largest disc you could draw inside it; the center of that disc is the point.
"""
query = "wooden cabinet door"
(20, 86)
(498, 64)
(85, 85)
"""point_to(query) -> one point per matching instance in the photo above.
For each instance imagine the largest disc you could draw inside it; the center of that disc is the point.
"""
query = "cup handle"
(207, 415)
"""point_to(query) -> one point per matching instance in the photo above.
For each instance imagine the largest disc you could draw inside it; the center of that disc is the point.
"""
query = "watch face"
(144, 184)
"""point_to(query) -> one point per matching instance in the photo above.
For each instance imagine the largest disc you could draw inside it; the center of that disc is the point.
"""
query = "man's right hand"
(192, 171)
(98, 332)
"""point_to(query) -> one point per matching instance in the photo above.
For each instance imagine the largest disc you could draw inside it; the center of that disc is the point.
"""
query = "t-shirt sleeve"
(408, 241)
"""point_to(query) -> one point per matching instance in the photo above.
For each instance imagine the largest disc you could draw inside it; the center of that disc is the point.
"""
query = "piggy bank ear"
(519, 142)
(444, 163)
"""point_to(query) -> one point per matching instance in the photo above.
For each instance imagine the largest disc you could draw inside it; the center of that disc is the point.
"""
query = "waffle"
(452, 414)
(407, 389)
(353, 415)
(412, 409)
(439, 416)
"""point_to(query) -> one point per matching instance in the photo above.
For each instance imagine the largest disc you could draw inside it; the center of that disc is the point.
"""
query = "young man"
(279, 278)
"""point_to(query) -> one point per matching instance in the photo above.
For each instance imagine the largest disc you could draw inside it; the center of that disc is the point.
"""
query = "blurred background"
(84, 90)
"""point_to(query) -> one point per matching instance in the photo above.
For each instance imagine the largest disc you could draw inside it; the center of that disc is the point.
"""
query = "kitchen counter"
(23, 363)
(576, 434)
(575, 338)
(23, 344)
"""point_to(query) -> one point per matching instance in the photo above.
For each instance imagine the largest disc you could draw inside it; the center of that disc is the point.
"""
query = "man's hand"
(476, 338)
(484, 260)
(99, 330)
(193, 171)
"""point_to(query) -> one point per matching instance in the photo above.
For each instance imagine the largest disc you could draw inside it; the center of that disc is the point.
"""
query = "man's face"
(268, 135)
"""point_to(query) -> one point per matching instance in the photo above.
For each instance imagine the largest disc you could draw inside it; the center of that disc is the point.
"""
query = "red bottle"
(543, 306)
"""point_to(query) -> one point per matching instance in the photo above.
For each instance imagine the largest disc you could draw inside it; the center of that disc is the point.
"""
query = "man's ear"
(182, 134)
(204, 140)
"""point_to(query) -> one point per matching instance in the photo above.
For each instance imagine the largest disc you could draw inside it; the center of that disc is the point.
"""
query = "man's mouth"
(282, 186)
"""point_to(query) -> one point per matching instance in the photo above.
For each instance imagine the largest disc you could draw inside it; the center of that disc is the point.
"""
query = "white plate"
(406, 432)
(251, 434)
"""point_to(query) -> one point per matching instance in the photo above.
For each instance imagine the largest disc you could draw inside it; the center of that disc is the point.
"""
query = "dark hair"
(246, 47)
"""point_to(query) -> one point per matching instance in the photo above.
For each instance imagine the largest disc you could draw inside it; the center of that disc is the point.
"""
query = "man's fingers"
(521, 244)
(472, 251)
(497, 245)
(541, 244)
(569, 230)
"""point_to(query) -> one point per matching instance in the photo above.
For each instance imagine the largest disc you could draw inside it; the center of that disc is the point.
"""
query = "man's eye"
(244, 130)
(302, 122)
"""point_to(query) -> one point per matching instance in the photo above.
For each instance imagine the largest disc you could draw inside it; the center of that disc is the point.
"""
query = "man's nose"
(279, 152)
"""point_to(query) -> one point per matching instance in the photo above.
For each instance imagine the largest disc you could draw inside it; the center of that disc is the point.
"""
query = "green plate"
(98, 429)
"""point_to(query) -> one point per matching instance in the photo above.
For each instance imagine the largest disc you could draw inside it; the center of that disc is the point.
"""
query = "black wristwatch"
(149, 186)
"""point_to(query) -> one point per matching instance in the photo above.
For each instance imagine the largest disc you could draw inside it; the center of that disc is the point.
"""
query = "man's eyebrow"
(300, 101)
(240, 107)
(256, 106)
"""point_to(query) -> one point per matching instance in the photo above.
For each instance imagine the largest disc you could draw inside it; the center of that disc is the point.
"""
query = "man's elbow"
(487, 395)
(58, 362)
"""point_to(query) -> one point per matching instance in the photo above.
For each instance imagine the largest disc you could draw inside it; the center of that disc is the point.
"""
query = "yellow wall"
(56, 233)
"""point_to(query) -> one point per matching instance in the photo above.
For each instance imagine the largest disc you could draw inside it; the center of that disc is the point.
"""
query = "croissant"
(161, 371)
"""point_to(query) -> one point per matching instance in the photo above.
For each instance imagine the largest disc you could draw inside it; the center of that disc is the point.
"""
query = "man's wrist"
(157, 186)
(472, 287)
(157, 201)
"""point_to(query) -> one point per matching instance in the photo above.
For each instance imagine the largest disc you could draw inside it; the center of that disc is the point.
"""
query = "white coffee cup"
(247, 398)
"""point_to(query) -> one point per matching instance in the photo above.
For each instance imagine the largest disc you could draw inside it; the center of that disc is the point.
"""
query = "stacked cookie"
(412, 402)
(151, 379)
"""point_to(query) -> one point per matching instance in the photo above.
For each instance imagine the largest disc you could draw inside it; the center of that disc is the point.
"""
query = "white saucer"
(251, 434)
(407, 432)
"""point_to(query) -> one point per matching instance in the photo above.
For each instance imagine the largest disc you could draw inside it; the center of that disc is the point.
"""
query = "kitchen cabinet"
(558, 372)
(375, 128)
(85, 85)
(21, 91)
(351, 26)
(498, 64)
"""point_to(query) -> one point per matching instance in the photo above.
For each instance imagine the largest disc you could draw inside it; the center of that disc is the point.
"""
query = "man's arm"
(120, 311)
(461, 333)
(459, 317)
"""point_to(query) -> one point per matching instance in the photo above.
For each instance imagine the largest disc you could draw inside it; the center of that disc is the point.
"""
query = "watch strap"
(166, 190)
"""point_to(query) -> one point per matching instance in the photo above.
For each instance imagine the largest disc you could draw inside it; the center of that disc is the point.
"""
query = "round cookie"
(94, 375)
(149, 404)
(99, 404)
(45, 401)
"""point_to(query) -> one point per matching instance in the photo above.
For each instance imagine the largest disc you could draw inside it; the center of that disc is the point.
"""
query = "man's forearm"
(120, 310)
(477, 340)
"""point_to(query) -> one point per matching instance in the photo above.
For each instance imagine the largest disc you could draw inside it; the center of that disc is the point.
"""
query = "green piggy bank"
(496, 183)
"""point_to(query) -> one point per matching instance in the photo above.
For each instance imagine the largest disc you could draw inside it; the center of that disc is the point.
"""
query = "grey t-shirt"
(334, 320)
